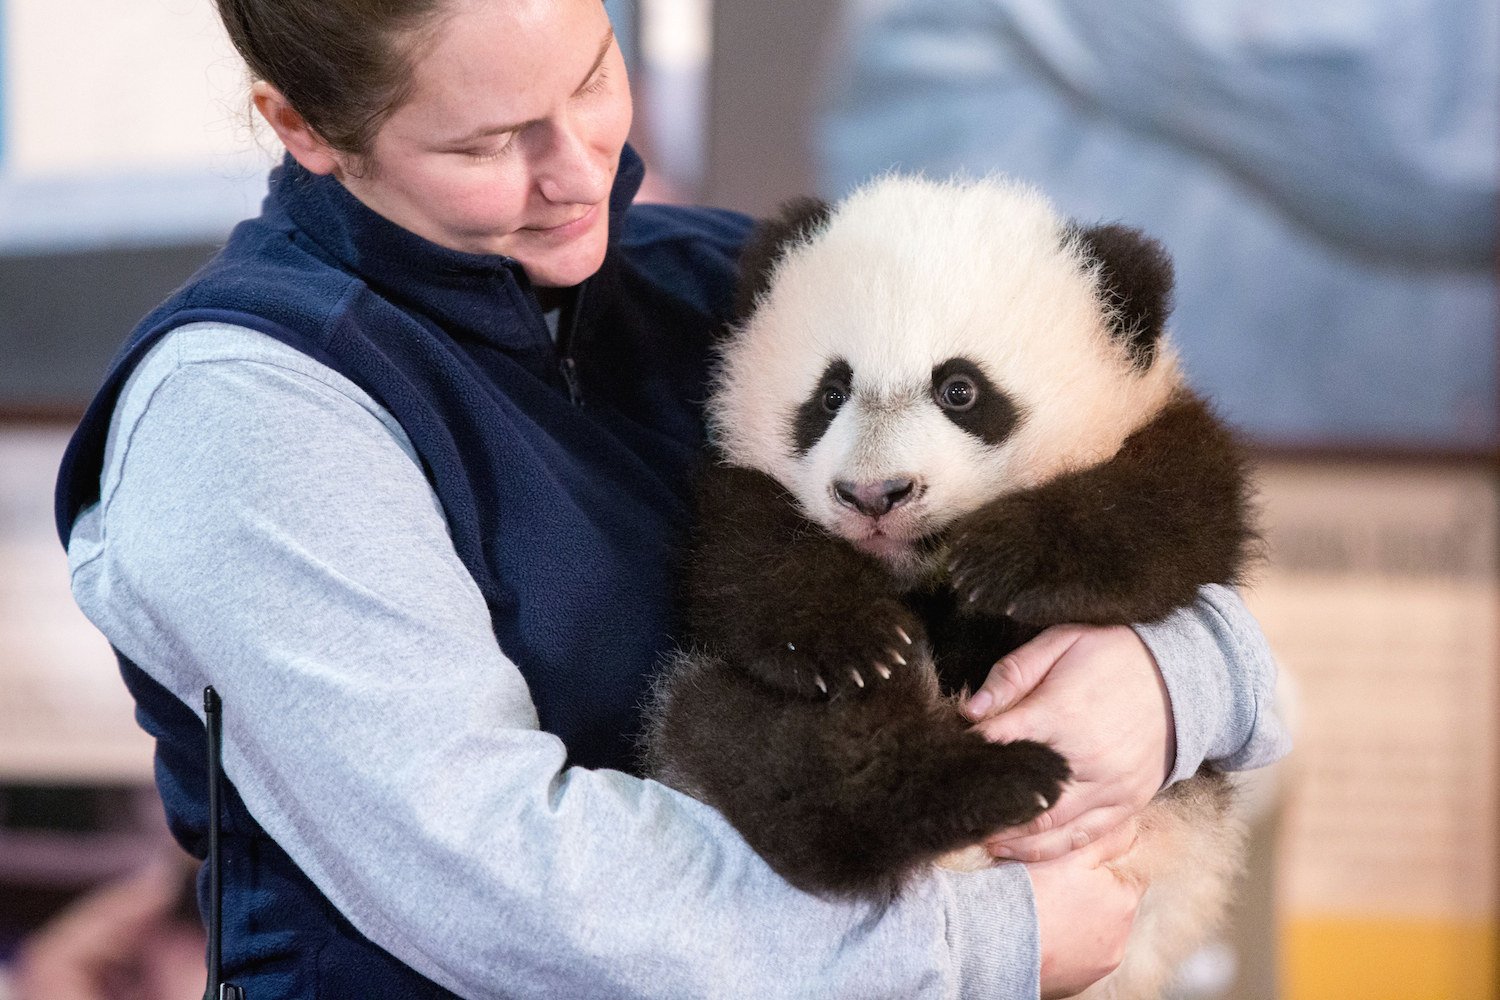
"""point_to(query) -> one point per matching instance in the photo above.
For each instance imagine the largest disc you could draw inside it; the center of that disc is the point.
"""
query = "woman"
(401, 473)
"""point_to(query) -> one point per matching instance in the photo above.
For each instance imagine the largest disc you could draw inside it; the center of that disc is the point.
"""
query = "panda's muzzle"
(874, 499)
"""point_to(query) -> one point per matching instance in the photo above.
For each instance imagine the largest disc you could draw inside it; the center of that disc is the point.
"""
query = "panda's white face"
(932, 347)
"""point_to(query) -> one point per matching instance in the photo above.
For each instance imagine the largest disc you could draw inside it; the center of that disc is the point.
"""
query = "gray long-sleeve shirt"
(265, 526)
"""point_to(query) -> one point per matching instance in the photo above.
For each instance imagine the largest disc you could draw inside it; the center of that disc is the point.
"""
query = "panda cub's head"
(920, 348)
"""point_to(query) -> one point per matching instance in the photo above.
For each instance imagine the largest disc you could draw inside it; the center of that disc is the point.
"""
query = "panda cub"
(945, 419)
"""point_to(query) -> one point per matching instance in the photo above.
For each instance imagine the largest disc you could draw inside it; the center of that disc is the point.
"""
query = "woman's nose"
(572, 172)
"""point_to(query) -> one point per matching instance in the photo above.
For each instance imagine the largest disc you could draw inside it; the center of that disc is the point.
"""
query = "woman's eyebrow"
(609, 38)
(485, 131)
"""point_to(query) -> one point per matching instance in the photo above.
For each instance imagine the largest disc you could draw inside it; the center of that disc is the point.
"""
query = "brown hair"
(345, 65)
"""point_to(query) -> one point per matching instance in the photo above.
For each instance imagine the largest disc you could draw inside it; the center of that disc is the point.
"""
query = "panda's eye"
(958, 392)
(834, 396)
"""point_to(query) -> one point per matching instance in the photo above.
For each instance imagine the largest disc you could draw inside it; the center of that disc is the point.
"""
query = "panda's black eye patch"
(973, 402)
(816, 413)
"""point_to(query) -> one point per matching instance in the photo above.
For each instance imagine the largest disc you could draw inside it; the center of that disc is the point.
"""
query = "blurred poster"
(1382, 604)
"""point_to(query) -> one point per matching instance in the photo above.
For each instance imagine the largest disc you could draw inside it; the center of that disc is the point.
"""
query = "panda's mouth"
(878, 543)
(897, 535)
(910, 555)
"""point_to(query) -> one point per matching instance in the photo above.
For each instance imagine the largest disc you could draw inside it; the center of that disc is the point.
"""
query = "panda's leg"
(923, 785)
(847, 796)
(1129, 540)
(796, 607)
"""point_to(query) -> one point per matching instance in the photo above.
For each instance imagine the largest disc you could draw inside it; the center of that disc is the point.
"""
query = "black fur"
(817, 707)
(847, 796)
(763, 583)
(1129, 540)
(846, 792)
(1135, 274)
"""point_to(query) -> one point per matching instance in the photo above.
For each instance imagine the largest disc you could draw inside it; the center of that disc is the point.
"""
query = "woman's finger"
(1089, 829)
(1019, 672)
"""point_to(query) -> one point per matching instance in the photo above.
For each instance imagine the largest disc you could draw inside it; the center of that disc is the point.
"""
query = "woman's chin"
(561, 263)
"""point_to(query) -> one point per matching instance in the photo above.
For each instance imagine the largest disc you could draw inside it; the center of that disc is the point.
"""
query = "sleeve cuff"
(1221, 679)
(992, 934)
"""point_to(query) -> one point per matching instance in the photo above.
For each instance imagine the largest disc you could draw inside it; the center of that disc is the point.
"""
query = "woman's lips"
(571, 228)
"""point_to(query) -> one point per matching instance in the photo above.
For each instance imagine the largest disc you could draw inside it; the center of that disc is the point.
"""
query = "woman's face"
(511, 137)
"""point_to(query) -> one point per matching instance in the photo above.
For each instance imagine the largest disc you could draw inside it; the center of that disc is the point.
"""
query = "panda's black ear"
(799, 219)
(1135, 275)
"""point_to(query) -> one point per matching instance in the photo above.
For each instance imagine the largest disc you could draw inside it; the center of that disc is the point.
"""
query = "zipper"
(565, 335)
(570, 376)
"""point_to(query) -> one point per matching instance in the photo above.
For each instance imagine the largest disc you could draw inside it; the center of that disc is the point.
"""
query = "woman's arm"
(266, 527)
(1221, 677)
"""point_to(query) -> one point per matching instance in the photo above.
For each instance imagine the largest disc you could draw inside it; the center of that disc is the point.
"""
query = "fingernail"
(980, 703)
(1002, 852)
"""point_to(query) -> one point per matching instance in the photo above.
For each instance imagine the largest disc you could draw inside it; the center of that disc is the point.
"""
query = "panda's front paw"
(994, 573)
(1019, 569)
(855, 652)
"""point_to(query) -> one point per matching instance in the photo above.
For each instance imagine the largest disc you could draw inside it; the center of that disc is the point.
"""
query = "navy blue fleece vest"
(563, 470)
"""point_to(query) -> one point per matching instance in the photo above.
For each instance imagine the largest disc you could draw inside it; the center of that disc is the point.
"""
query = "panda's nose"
(874, 499)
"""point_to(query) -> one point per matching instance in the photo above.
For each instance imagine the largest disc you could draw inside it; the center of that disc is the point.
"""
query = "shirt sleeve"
(265, 526)
(1221, 678)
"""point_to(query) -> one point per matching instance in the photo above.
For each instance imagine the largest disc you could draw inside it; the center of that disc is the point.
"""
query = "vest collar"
(458, 288)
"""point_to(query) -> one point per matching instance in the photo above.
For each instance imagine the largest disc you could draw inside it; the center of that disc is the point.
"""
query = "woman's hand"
(1095, 695)
(1084, 913)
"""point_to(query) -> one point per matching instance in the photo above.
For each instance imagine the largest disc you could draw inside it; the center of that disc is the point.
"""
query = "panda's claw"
(850, 658)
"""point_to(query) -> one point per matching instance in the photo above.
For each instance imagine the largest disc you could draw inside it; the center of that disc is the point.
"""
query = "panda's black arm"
(776, 595)
(1129, 540)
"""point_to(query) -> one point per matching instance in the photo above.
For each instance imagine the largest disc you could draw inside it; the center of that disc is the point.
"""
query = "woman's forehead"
(493, 63)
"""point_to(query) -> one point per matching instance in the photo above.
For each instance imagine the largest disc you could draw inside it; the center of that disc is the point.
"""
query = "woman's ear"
(305, 145)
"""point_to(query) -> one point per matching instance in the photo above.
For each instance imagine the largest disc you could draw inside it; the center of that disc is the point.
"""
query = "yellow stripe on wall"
(1340, 959)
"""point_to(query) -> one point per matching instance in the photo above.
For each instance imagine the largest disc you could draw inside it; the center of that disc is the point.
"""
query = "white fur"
(907, 274)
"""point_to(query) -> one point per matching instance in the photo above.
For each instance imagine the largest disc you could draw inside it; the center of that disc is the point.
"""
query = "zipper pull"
(570, 376)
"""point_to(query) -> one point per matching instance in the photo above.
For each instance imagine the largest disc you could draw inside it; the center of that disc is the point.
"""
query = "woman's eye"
(834, 396)
(600, 81)
(494, 147)
(484, 155)
(958, 392)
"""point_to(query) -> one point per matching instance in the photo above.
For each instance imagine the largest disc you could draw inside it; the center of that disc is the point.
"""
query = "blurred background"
(1325, 175)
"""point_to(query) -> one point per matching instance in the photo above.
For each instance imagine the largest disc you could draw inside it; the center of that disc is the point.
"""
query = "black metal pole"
(211, 711)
